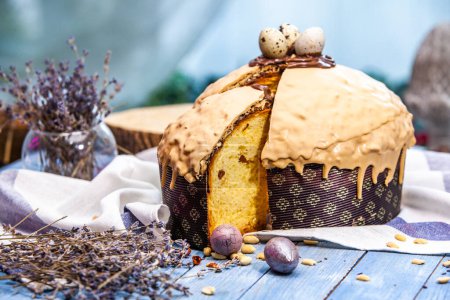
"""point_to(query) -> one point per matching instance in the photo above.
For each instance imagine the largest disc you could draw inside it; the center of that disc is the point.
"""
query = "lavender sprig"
(59, 99)
(81, 263)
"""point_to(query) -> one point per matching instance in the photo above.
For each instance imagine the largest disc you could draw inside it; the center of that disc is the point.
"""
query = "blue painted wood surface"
(434, 290)
(334, 277)
(307, 282)
(392, 277)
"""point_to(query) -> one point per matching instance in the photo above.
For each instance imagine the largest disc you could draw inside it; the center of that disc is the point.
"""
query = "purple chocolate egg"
(281, 255)
(226, 239)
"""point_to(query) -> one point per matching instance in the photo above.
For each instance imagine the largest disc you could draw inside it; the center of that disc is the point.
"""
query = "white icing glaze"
(227, 81)
(336, 117)
(188, 142)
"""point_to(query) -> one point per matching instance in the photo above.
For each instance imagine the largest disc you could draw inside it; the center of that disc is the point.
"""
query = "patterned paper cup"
(188, 209)
(295, 201)
(302, 201)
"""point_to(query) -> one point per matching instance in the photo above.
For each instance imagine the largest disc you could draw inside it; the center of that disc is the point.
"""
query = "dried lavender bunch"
(67, 104)
(58, 99)
(85, 264)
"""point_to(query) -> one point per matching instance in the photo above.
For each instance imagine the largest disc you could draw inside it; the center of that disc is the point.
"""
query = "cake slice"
(238, 179)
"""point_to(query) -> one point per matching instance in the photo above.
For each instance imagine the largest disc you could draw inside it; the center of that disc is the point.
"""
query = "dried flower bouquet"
(65, 106)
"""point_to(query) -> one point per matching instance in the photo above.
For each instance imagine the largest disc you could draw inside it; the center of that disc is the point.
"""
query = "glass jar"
(78, 154)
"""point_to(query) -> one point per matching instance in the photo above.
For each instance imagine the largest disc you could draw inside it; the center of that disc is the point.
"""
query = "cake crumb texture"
(237, 181)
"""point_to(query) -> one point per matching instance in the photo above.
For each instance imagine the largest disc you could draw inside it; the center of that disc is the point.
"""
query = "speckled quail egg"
(272, 43)
(310, 41)
(291, 34)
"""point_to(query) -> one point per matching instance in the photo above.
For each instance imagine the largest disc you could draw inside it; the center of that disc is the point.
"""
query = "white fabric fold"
(126, 182)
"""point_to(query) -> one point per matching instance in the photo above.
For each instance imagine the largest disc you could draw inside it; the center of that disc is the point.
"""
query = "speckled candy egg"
(226, 239)
(310, 41)
(281, 255)
(291, 34)
(272, 43)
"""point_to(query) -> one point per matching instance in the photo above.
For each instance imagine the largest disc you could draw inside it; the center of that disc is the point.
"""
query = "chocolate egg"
(226, 239)
(272, 43)
(291, 34)
(281, 255)
(310, 41)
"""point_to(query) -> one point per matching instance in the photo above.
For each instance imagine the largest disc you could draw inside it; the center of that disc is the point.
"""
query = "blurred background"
(168, 51)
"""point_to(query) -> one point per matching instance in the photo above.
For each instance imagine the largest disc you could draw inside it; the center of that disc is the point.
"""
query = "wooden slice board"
(11, 138)
(141, 128)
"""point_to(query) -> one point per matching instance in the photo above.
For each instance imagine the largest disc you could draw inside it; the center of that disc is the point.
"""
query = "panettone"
(286, 142)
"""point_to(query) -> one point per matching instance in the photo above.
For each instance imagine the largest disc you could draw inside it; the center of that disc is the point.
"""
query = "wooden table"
(334, 277)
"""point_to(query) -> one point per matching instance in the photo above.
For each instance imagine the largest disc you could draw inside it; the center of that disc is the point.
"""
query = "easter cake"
(290, 140)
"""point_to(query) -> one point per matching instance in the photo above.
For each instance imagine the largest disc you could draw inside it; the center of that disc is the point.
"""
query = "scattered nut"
(420, 241)
(444, 279)
(212, 265)
(446, 263)
(291, 34)
(196, 260)
(392, 245)
(272, 43)
(261, 256)
(362, 277)
(245, 260)
(218, 256)
(235, 255)
(311, 41)
(310, 242)
(251, 239)
(308, 262)
(417, 261)
(248, 249)
(209, 290)
(400, 237)
(207, 251)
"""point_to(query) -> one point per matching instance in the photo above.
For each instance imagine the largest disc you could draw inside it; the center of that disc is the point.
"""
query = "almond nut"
(417, 261)
(207, 251)
(400, 237)
(245, 260)
(261, 256)
(420, 241)
(251, 239)
(363, 277)
(444, 279)
(392, 245)
(209, 290)
(218, 256)
(308, 262)
(248, 249)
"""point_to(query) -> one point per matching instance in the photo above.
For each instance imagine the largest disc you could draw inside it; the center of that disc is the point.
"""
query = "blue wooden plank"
(434, 290)
(8, 290)
(307, 282)
(392, 276)
(229, 284)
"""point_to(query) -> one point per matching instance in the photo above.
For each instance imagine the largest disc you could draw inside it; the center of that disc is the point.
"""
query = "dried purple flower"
(83, 263)
(59, 100)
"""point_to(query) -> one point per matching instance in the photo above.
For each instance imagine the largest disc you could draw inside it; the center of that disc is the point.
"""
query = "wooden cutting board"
(141, 128)
(11, 138)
